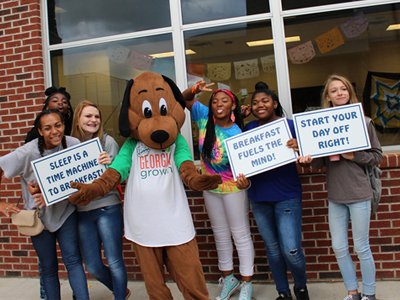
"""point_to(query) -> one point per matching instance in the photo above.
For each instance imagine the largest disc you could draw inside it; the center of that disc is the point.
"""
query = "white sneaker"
(353, 297)
(368, 297)
(246, 290)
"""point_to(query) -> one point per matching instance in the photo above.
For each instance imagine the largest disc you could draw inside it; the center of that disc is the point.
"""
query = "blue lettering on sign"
(263, 160)
(257, 138)
(61, 162)
(321, 132)
(314, 121)
(333, 143)
(345, 116)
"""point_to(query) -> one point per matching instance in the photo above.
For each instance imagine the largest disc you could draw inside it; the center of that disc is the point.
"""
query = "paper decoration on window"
(246, 69)
(354, 26)
(139, 60)
(268, 63)
(385, 99)
(329, 40)
(219, 72)
(118, 54)
(196, 69)
(302, 53)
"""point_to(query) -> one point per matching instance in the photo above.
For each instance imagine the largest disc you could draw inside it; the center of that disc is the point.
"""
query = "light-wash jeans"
(104, 227)
(45, 246)
(229, 217)
(359, 214)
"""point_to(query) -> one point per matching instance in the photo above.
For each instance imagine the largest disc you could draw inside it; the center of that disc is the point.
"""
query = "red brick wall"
(21, 96)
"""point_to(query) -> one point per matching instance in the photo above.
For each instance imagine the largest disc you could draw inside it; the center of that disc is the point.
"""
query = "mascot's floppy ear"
(175, 90)
(123, 115)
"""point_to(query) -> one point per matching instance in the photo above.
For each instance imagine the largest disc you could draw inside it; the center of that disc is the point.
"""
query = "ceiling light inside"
(271, 41)
(393, 27)
(169, 54)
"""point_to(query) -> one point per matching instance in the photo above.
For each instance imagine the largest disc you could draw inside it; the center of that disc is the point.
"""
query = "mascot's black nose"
(159, 136)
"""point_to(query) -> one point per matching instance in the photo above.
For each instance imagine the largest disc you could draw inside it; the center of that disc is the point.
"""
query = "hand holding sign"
(104, 158)
(35, 191)
(242, 182)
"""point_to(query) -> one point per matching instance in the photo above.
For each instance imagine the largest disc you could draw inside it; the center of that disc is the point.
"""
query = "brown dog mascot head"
(152, 110)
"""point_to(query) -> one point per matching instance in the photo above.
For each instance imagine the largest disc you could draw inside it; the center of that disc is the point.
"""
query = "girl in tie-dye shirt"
(227, 205)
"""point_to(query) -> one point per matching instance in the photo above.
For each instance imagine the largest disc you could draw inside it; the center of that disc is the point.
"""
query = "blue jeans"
(279, 224)
(339, 216)
(45, 246)
(104, 226)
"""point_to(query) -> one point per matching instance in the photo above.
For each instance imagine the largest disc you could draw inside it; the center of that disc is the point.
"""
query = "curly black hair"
(33, 133)
(262, 87)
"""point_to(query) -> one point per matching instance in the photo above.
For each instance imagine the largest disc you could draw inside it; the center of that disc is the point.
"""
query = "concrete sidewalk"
(28, 289)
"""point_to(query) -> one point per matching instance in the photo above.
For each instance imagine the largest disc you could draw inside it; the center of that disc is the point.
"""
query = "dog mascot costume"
(154, 160)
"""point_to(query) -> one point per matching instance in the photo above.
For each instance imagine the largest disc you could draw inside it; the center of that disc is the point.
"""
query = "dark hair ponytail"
(262, 87)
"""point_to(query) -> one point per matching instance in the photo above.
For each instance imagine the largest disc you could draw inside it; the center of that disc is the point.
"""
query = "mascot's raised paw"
(98, 188)
(195, 181)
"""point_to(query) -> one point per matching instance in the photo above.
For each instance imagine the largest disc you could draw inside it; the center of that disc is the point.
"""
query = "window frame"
(177, 29)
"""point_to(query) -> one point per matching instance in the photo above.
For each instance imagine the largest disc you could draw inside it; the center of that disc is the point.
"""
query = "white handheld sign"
(331, 131)
(78, 163)
(260, 149)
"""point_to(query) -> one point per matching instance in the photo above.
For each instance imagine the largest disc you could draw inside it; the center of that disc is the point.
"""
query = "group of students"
(83, 231)
(275, 198)
(275, 195)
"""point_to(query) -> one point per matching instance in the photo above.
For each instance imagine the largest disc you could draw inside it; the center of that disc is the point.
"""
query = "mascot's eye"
(146, 108)
(163, 107)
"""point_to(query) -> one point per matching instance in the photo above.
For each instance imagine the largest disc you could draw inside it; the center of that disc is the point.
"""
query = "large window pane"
(99, 73)
(221, 55)
(292, 4)
(354, 43)
(199, 11)
(72, 20)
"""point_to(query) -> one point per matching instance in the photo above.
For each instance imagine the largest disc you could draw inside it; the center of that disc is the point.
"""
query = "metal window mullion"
(178, 43)
(334, 7)
(45, 44)
(281, 62)
(111, 38)
(228, 21)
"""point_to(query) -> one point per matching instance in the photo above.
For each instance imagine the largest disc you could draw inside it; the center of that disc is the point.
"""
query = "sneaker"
(283, 296)
(127, 293)
(368, 297)
(353, 297)
(246, 290)
(42, 293)
(301, 294)
(229, 286)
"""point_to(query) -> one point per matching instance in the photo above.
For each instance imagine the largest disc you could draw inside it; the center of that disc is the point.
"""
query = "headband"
(228, 92)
